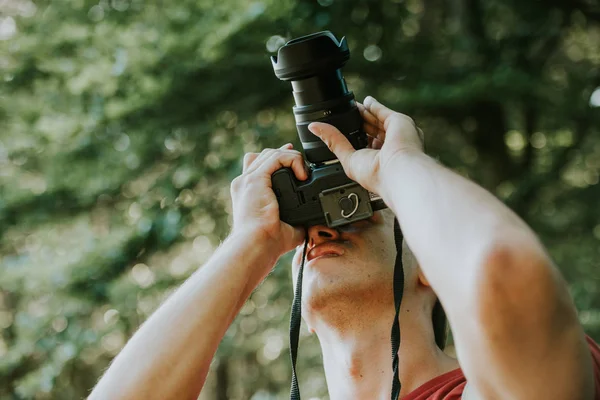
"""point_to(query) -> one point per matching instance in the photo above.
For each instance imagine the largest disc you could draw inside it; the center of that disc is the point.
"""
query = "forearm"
(507, 303)
(169, 357)
(509, 308)
(450, 223)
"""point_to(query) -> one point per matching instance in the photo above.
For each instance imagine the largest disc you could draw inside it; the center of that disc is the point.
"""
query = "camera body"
(328, 197)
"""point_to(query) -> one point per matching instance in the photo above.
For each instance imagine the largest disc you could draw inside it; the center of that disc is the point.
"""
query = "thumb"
(335, 141)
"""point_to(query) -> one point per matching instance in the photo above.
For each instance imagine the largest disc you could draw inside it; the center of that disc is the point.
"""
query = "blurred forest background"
(122, 123)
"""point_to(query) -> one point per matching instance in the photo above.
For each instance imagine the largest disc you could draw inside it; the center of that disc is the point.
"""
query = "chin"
(334, 285)
(345, 304)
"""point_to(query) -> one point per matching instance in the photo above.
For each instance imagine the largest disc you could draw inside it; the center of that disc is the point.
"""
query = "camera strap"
(398, 293)
(295, 320)
(296, 316)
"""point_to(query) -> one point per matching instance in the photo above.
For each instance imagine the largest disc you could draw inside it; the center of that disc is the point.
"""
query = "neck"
(357, 358)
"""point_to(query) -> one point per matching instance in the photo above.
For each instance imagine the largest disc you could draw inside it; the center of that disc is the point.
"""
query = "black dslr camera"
(328, 197)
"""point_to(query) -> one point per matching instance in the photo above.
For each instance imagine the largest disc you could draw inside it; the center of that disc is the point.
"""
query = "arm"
(169, 357)
(515, 326)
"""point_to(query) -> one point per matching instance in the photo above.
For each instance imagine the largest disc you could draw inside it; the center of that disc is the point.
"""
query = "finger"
(374, 143)
(377, 144)
(367, 116)
(334, 139)
(374, 131)
(403, 127)
(378, 110)
(266, 154)
(248, 160)
(259, 159)
(358, 165)
(287, 146)
(282, 159)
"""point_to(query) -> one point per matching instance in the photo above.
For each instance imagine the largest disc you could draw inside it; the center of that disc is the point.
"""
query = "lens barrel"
(313, 64)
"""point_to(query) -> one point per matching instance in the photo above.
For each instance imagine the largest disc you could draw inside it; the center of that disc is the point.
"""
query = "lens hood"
(310, 55)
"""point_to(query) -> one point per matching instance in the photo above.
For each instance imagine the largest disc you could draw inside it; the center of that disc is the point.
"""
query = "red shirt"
(450, 385)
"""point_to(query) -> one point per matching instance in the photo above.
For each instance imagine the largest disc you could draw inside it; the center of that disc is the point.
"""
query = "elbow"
(525, 324)
(519, 288)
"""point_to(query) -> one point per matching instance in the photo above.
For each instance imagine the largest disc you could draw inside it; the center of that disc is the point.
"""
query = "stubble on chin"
(349, 301)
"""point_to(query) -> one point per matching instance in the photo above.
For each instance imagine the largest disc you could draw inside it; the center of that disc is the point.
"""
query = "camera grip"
(300, 202)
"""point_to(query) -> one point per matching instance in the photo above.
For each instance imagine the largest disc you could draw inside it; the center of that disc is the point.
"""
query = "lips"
(324, 249)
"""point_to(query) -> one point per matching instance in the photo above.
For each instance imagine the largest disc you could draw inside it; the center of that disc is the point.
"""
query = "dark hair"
(440, 328)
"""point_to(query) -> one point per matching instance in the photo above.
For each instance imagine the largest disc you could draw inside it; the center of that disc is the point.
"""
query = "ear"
(422, 278)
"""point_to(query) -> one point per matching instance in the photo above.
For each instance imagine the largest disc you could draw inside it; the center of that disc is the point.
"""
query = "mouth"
(325, 250)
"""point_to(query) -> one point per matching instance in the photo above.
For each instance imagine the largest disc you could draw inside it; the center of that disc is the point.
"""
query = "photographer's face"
(351, 266)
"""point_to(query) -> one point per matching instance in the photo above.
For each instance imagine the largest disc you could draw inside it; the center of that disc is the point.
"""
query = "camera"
(313, 64)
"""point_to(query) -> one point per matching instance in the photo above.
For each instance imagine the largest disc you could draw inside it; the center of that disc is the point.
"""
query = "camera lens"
(314, 64)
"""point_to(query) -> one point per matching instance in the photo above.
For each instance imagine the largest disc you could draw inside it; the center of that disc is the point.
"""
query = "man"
(515, 327)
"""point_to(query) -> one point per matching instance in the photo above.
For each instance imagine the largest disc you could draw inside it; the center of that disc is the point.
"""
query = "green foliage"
(122, 122)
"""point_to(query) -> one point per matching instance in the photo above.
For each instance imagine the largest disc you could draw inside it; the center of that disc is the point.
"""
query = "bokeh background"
(122, 123)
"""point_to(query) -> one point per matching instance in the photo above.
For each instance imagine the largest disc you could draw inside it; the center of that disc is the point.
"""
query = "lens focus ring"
(349, 122)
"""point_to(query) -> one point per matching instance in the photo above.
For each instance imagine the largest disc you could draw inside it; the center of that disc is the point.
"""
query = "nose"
(320, 233)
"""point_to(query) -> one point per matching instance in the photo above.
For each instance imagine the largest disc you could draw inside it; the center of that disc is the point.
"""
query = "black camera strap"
(296, 316)
(398, 293)
(295, 320)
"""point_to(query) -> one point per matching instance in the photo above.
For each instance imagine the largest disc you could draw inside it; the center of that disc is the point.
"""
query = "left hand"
(390, 134)
(255, 206)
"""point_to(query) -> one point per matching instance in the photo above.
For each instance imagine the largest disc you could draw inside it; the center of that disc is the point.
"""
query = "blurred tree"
(122, 122)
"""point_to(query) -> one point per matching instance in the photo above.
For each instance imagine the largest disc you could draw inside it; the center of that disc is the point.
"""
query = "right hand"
(390, 134)
(255, 207)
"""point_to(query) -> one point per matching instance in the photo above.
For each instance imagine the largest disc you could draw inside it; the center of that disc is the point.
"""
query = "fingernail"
(370, 100)
(314, 128)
